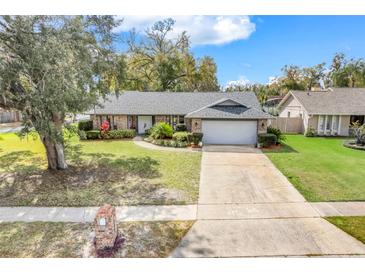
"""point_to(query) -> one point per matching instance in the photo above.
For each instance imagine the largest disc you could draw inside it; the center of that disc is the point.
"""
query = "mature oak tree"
(157, 61)
(54, 65)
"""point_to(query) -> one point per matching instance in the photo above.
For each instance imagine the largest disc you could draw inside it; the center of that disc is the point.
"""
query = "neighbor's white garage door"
(229, 132)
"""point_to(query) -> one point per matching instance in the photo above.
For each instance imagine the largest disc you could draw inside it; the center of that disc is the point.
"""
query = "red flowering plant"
(104, 128)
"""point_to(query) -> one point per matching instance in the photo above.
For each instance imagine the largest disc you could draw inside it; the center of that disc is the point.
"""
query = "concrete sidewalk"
(87, 214)
(187, 212)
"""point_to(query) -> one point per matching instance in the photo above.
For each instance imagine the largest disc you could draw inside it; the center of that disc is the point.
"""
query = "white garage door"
(229, 132)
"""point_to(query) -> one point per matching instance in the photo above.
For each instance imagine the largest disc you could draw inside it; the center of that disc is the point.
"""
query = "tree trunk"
(55, 154)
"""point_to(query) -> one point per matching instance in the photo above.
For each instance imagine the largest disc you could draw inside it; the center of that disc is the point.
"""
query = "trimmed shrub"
(159, 142)
(197, 137)
(190, 137)
(279, 135)
(82, 135)
(310, 132)
(267, 139)
(93, 134)
(182, 144)
(161, 131)
(85, 125)
(181, 136)
(181, 127)
(120, 134)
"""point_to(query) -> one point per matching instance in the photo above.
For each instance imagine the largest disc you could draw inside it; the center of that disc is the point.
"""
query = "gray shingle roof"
(229, 112)
(345, 101)
(174, 103)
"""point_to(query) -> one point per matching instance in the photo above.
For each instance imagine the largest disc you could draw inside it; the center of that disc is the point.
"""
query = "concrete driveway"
(248, 208)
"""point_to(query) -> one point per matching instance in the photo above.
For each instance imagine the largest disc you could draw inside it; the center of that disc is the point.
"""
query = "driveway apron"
(248, 208)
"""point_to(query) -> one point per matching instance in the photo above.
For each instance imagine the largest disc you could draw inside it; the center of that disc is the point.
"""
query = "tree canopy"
(159, 62)
(54, 65)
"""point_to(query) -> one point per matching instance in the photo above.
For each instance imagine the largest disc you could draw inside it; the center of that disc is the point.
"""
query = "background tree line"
(342, 72)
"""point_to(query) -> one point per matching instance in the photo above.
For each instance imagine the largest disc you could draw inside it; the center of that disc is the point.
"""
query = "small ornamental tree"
(54, 65)
(104, 128)
(359, 132)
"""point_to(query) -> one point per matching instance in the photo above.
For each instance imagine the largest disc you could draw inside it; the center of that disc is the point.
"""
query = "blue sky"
(255, 48)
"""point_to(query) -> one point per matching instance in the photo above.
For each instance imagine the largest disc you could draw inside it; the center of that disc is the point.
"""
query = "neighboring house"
(9, 116)
(223, 118)
(328, 112)
(271, 104)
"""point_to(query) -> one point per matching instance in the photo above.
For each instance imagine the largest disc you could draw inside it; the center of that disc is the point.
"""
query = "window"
(288, 114)
(181, 119)
(132, 122)
(335, 123)
(321, 123)
(329, 123)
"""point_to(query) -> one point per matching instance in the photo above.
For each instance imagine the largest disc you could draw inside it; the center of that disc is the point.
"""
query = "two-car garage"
(234, 132)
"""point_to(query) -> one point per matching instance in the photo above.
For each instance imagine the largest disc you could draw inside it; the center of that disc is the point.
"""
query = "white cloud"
(203, 30)
(242, 80)
(273, 80)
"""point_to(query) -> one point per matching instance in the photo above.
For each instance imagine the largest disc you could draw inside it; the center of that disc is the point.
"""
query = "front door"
(144, 123)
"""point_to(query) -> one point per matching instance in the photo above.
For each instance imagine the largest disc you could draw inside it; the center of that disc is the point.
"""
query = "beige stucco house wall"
(296, 110)
(291, 108)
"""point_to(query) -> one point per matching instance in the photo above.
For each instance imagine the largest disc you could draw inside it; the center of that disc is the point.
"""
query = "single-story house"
(329, 112)
(223, 118)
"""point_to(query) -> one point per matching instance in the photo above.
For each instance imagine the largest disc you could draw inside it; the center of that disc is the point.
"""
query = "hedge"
(181, 136)
(267, 139)
(93, 134)
(167, 143)
(112, 134)
(85, 125)
(120, 134)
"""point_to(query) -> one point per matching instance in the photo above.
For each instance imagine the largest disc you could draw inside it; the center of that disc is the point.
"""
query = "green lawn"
(322, 169)
(354, 225)
(115, 172)
(72, 240)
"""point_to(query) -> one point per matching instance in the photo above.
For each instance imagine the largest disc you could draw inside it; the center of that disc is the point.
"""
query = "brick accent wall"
(160, 118)
(261, 126)
(121, 121)
(196, 125)
(95, 119)
(188, 124)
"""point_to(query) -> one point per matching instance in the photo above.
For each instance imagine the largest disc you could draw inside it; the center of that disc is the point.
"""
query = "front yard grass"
(354, 225)
(72, 240)
(114, 172)
(321, 168)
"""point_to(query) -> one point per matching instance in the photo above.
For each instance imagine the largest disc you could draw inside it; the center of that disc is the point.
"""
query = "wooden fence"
(287, 125)
(9, 116)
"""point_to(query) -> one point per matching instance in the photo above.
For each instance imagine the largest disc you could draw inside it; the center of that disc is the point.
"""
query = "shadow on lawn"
(283, 148)
(91, 179)
(20, 161)
(144, 167)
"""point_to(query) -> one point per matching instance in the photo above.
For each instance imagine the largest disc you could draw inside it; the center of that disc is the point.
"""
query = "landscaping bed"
(353, 145)
(321, 168)
(111, 171)
(162, 134)
(72, 240)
